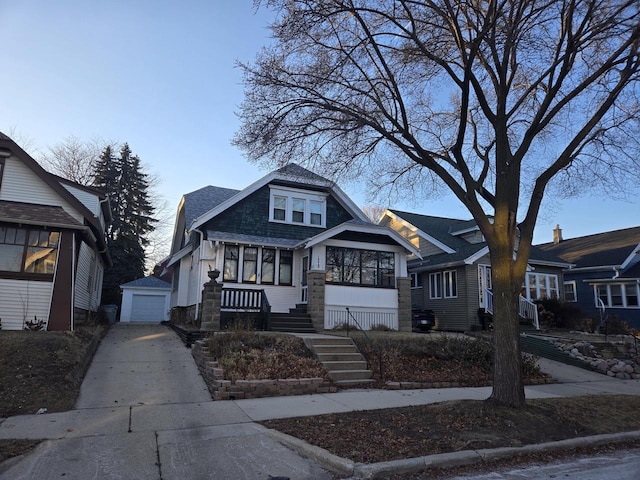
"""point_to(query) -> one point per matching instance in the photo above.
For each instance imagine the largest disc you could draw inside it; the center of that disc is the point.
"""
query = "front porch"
(527, 310)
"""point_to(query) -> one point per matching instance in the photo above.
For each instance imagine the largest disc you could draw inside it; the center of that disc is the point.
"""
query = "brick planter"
(222, 389)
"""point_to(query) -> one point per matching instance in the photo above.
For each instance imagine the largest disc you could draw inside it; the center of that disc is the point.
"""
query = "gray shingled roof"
(147, 282)
(440, 228)
(33, 214)
(199, 202)
(295, 170)
(601, 249)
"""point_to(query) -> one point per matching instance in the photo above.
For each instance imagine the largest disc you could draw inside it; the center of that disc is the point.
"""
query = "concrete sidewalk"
(144, 412)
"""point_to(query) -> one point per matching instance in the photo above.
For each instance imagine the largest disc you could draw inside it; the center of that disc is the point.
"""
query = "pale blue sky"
(160, 75)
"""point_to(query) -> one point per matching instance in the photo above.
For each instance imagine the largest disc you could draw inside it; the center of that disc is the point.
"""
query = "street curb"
(344, 466)
(336, 464)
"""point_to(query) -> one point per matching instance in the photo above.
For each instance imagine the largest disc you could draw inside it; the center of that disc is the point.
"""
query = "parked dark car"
(422, 320)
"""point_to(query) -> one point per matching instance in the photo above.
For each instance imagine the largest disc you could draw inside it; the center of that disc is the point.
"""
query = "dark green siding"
(251, 217)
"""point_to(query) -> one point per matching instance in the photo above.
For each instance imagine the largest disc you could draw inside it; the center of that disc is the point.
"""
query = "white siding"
(22, 300)
(196, 282)
(179, 297)
(97, 290)
(85, 273)
(370, 306)
(88, 199)
(21, 184)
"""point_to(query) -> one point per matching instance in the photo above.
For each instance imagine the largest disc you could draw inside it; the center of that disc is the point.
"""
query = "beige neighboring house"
(52, 245)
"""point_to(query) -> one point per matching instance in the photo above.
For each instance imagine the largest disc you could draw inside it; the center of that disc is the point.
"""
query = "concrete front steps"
(291, 322)
(341, 358)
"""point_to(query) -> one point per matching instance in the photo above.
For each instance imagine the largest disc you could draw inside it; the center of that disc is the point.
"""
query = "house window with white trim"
(435, 285)
(258, 265)
(541, 285)
(279, 208)
(416, 280)
(631, 294)
(295, 206)
(297, 210)
(250, 265)
(450, 284)
(570, 294)
(285, 267)
(268, 265)
(231, 256)
(618, 295)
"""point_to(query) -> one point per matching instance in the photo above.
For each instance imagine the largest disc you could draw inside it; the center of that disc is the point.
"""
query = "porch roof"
(466, 253)
(230, 237)
(34, 214)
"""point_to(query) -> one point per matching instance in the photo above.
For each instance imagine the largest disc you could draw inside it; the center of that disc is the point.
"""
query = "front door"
(303, 279)
(484, 284)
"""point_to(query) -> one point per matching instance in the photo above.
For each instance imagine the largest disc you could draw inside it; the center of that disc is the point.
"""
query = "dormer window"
(298, 207)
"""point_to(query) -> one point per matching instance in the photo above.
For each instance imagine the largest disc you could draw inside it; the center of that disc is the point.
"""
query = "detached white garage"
(145, 300)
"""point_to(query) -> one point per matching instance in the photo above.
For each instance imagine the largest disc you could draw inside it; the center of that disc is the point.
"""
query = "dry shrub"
(249, 355)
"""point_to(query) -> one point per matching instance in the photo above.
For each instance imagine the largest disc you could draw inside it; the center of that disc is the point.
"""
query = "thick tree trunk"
(508, 388)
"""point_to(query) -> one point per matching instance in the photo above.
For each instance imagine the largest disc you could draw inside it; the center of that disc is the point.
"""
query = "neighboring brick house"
(604, 279)
(453, 277)
(298, 238)
(52, 244)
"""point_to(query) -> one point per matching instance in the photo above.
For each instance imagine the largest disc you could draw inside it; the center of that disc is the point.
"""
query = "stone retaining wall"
(478, 383)
(222, 389)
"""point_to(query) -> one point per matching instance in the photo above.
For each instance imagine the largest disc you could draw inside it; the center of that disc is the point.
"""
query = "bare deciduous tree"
(498, 100)
(373, 212)
(75, 159)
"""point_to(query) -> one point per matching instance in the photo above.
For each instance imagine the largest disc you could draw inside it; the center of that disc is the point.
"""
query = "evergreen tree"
(126, 184)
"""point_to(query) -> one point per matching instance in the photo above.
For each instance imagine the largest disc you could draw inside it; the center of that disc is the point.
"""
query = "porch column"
(404, 303)
(62, 302)
(211, 300)
(315, 298)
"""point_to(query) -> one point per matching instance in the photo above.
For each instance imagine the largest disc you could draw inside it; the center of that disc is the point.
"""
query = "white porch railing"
(527, 309)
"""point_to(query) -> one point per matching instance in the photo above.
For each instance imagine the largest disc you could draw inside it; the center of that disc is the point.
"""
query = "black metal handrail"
(373, 346)
(265, 311)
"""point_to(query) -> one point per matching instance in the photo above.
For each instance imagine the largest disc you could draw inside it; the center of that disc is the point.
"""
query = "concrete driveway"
(144, 412)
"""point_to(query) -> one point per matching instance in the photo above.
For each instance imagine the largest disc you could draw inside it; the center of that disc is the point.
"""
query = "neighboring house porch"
(453, 277)
(604, 277)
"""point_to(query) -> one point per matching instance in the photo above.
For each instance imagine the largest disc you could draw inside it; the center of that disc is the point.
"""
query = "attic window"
(298, 207)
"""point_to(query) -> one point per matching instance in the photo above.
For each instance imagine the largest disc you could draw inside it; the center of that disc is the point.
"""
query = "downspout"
(617, 274)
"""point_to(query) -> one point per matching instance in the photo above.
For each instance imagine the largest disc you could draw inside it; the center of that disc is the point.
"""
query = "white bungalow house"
(296, 238)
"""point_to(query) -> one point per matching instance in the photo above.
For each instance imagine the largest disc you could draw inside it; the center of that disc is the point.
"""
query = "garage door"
(147, 308)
